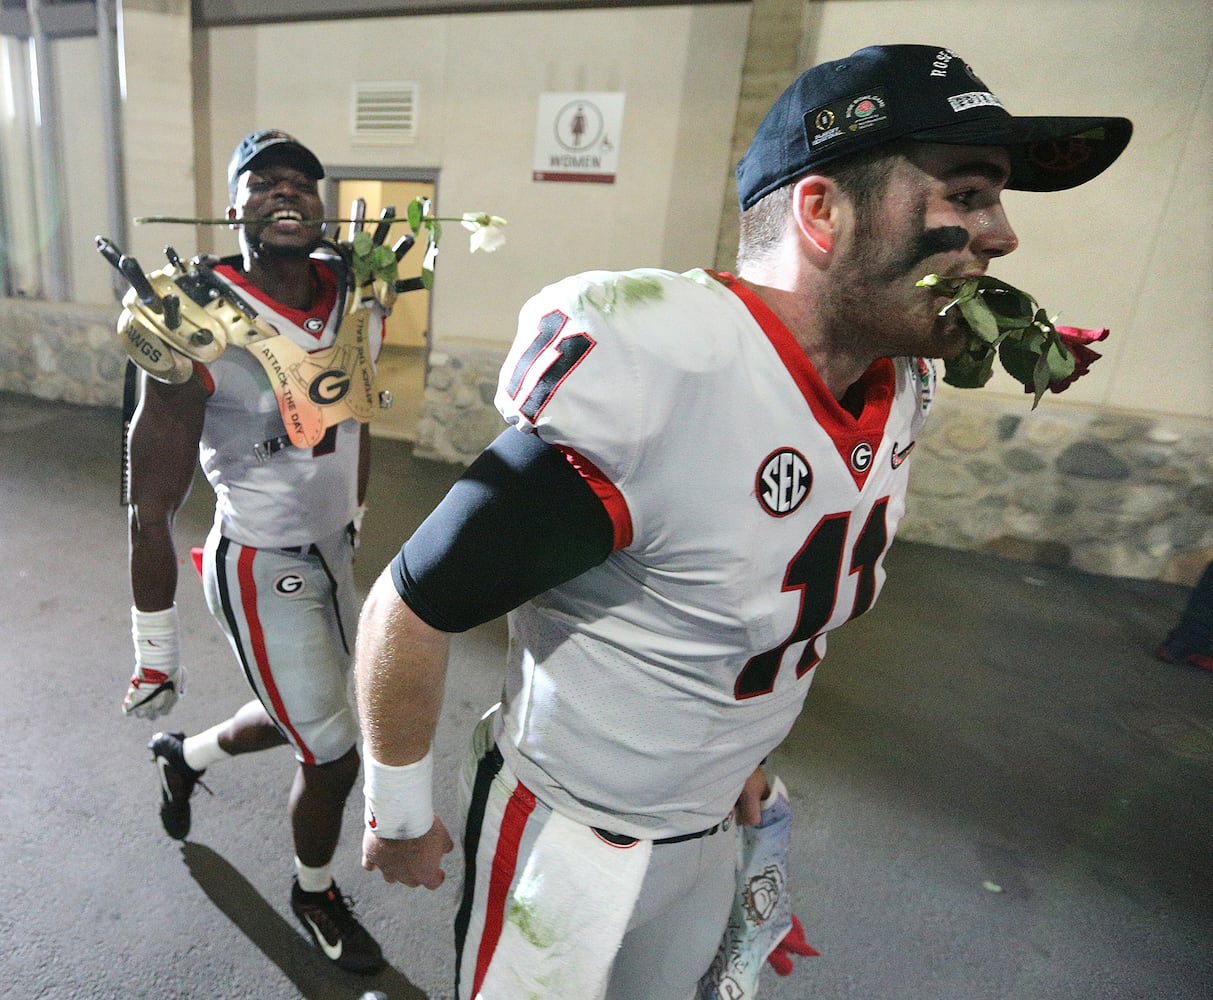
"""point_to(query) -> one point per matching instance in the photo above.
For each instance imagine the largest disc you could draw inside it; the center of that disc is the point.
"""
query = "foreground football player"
(701, 479)
(277, 565)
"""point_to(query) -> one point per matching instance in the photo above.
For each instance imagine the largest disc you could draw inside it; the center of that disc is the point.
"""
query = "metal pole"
(54, 206)
(6, 245)
(111, 113)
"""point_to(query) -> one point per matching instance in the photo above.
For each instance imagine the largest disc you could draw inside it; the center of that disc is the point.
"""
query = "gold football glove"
(179, 315)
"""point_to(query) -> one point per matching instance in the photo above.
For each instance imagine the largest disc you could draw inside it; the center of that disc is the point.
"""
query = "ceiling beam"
(59, 20)
(216, 13)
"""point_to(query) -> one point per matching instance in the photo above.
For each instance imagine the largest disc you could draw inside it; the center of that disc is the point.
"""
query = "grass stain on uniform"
(623, 291)
(538, 932)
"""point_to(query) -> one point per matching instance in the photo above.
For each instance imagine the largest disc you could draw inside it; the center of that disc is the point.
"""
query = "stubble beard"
(861, 303)
(875, 304)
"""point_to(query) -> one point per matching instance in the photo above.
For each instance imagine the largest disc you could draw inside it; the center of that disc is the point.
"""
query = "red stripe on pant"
(248, 601)
(505, 860)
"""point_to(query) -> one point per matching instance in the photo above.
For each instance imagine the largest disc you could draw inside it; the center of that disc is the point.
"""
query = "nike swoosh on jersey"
(333, 951)
(900, 456)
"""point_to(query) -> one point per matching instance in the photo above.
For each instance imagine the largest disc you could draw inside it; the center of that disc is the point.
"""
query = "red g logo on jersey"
(783, 481)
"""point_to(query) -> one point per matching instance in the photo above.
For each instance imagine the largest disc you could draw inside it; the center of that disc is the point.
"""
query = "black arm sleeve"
(520, 521)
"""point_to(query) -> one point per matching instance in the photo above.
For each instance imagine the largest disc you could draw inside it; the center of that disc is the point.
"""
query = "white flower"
(488, 231)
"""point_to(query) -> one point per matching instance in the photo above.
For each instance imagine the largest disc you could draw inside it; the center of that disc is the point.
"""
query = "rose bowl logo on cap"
(866, 111)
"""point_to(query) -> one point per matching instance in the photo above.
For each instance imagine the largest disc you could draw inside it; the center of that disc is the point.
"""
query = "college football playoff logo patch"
(783, 482)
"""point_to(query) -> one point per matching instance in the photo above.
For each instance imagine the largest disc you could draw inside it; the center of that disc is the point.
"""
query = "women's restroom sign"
(577, 137)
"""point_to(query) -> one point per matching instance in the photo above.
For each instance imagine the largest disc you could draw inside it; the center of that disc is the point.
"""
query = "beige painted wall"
(1132, 250)
(159, 144)
(1084, 481)
(480, 78)
(78, 67)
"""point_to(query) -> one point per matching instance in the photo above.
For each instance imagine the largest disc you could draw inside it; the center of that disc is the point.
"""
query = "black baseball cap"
(925, 93)
(256, 144)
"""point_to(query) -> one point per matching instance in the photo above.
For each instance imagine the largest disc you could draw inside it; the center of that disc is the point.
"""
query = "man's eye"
(964, 198)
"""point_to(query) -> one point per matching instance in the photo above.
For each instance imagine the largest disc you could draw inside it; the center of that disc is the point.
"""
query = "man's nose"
(287, 184)
(994, 236)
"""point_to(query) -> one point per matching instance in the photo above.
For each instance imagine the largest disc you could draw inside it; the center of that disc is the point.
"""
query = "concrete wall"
(480, 78)
(1129, 251)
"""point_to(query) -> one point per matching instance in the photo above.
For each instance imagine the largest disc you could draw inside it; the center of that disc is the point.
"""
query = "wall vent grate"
(385, 113)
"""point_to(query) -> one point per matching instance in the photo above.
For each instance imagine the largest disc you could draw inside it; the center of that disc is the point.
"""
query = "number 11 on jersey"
(569, 350)
(816, 572)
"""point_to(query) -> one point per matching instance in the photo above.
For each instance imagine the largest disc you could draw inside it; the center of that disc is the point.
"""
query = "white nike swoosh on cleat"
(333, 951)
(161, 769)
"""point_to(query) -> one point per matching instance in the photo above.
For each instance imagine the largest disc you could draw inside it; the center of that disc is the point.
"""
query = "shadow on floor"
(280, 942)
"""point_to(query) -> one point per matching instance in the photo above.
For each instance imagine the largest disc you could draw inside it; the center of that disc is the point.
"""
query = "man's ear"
(815, 202)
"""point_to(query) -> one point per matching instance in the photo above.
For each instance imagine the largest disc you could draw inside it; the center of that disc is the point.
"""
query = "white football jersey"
(753, 514)
(293, 496)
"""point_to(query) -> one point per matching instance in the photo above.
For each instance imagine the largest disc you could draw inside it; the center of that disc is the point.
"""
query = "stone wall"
(61, 351)
(1117, 493)
(457, 415)
(1113, 492)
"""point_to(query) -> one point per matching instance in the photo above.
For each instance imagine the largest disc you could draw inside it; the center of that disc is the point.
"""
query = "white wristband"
(157, 639)
(399, 800)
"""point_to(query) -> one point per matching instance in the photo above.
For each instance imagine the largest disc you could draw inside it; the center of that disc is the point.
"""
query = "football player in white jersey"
(701, 478)
(277, 566)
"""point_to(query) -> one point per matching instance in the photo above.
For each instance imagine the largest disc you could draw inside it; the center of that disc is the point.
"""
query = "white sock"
(203, 750)
(313, 879)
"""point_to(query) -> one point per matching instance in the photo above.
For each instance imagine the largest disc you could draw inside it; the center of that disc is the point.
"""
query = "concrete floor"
(999, 793)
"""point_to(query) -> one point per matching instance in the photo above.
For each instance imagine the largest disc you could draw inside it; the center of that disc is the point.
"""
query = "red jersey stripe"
(505, 860)
(876, 387)
(325, 299)
(606, 491)
(248, 599)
